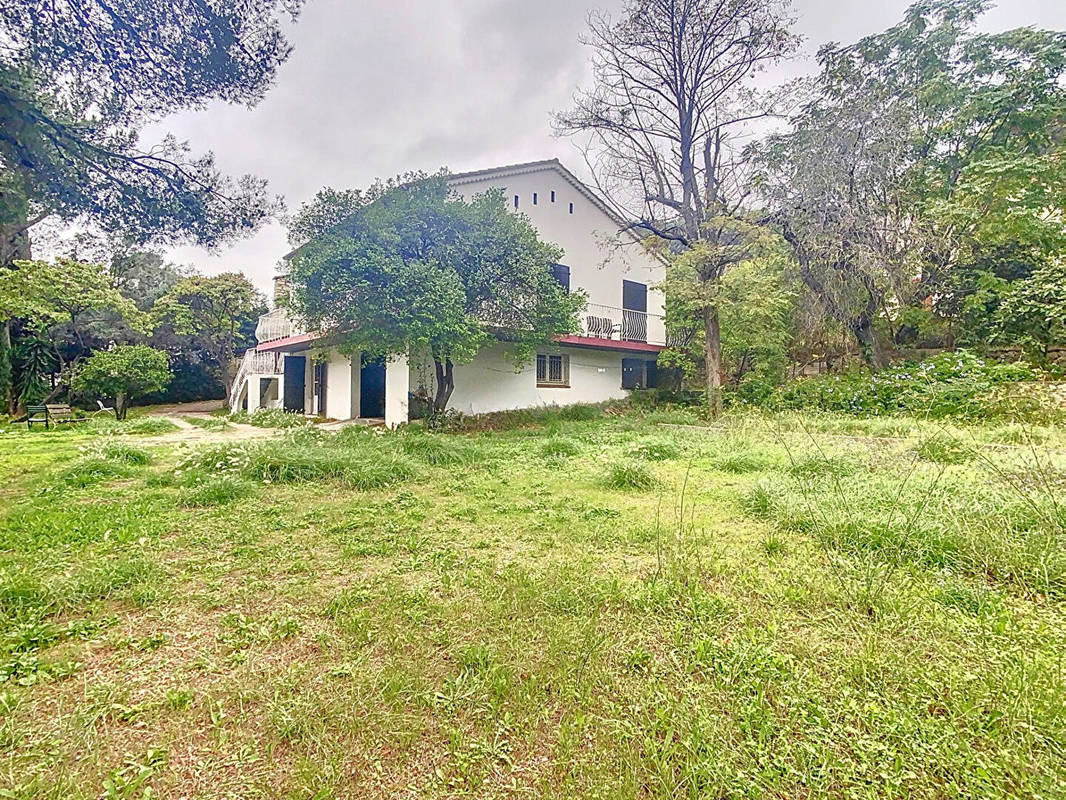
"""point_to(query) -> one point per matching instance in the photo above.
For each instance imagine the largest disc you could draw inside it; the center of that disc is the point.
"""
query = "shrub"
(632, 475)
(957, 384)
(125, 373)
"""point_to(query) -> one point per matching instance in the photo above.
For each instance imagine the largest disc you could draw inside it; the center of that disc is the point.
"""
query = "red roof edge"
(286, 343)
(610, 344)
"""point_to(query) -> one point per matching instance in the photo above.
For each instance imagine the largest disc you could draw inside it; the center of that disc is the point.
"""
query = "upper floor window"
(561, 273)
(516, 201)
(553, 195)
(534, 198)
(553, 371)
(571, 208)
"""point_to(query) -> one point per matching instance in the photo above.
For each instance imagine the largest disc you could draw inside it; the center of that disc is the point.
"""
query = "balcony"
(276, 325)
(622, 325)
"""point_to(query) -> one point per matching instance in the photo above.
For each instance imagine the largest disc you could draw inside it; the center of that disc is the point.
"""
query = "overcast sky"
(378, 87)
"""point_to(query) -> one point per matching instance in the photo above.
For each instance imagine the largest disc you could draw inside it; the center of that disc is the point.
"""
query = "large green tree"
(215, 311)
(927, 149)
(54, 300)
(80, 81)
(421, 270)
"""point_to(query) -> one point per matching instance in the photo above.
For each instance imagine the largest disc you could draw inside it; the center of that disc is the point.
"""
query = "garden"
(600, 602)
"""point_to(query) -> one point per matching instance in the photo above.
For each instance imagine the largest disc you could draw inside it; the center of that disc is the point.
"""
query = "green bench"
(51, 414)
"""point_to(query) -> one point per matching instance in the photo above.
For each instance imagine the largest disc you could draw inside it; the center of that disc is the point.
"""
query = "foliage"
(71, 116)
(53, 293)
(666, 120)
(420, 270)
(126, 373)
(755, 306)
(958, 384)
(925, 149)
(214, 311)
(1032, 311)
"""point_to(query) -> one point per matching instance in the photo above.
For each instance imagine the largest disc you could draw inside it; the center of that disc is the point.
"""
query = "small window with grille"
(553, 370)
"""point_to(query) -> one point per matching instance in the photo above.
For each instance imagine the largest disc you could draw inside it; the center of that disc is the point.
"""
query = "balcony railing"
(622, 324)
(276, 325)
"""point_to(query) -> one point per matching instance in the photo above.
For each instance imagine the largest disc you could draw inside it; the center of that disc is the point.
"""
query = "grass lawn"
(787, 606)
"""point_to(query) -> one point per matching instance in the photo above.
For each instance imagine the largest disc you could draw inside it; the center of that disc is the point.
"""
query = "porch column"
(253, 392)
(397, 383)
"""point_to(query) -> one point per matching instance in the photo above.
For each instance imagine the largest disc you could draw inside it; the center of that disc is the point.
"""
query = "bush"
(958, 384)
(125, 373)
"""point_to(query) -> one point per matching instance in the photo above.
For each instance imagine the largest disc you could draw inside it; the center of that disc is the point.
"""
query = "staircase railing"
(254, 363)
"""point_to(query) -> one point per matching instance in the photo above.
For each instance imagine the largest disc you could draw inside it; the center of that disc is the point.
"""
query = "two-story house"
(622, 326)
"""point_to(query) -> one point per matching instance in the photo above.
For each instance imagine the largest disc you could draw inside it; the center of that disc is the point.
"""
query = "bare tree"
(667, 120)
(837, 184)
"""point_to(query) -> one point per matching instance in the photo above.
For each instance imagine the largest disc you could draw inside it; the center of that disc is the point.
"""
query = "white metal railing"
(274, 325)
(622, 324)
(254, 363)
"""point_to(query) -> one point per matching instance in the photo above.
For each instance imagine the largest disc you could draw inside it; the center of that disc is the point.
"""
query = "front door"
(634, 311)
(320, 388)
(372, 389)
(295, 382)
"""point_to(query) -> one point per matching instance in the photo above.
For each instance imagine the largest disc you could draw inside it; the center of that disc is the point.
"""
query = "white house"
(622, 326)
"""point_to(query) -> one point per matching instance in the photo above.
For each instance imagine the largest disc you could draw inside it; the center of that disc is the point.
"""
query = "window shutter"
(561, 273)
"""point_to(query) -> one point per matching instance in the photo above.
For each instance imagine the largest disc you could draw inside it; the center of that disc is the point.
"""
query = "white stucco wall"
(338, 386)
(397, 384)
(490, 383)
(585, 236)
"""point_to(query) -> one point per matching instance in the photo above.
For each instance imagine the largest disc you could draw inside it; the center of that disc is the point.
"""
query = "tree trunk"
(14, 246)
(7, 383)
(445, 385)
(225, 369)
(863, 329)
(121, 404)
(713, 359)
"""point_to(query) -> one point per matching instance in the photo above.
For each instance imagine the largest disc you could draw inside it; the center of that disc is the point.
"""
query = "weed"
(631, 475)
(656, 450)
(217, 490)
(208, 423)
(942, 450)
(559, 447)
(438, 449)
